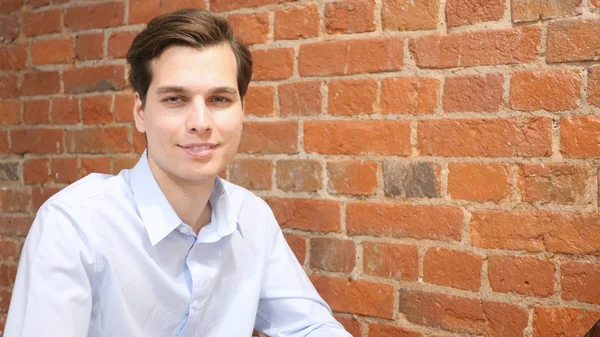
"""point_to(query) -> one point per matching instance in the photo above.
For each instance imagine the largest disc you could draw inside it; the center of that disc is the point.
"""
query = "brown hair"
(186, 27)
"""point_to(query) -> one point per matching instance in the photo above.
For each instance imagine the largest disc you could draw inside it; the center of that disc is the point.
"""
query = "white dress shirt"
(108, 256)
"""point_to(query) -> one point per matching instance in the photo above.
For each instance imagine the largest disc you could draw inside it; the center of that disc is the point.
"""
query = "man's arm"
(289, 305)
(52, 293)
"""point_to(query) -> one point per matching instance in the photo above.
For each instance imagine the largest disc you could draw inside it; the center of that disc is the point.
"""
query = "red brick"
(300, 98)
(139, 142)
(459, 314)
(4, 300)
(579, 281)
(38, 3)
(40, 23)
(386, 330)
(11, 113)
(553, 90)
(13, 200)
(251, 173)
(351, 56)
(96, 109)
(40, 195)
(537, 231)
(119, 43)
(38, 141)
(13, 57)
(4, 147)
(99, 140)
(89, 46)
(452, 268)
(352, 97)
(297, 23)
(123, 163)
(94, 165)
(52, 51)
(331, 254)
(357, 137)
(352, 325)
(521, 275)
(35, 171)
(312, 215)
(15, 225)
(410, 15)
(8, 249)
(8, 274)
(36, 112)
(250, 28)
(8, 86)
(272, 64)
(523, 137)
(270, 137)
(9, 27)
(259, 101)
(461, 12)
(593, 93)
(596, 3)
(356, 297)
(226, 5)
(395, 261)
(63, 170)
(473, 93)
(124, 107)
(298, 175)
(564, 322)
(65, 110)
(298, 245)
(352, 177)
(528, 10)
(402, 220)
(90, 79)
(40, 83)
(504, 46)
(350, 17)
(142, 11)
(8, 6)
(554, 183)
(103, 15)
(573, 40)
(578, 136)
(479, 182)
(409, 95)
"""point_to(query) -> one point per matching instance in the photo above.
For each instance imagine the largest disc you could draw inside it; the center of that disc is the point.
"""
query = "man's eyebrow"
(168, 89)
(223, 90)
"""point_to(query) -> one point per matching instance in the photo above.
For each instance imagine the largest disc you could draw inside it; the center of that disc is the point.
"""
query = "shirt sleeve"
(289, 305)
(52, 291)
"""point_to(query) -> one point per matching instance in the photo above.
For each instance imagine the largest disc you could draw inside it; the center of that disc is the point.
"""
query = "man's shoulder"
(92, 186)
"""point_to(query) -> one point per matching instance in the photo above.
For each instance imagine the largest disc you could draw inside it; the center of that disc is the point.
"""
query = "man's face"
(193, 113)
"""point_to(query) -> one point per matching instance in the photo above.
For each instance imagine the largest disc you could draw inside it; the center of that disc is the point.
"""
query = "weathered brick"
(567, 322)
(298, 175)
(65, 110)
(13, 200)
(8, 6)
(300, 98)
(578, 136)
(35, 171)
(101, 78)
(8, 85)
(270, 137)
(4, 142)
(573, 40)
(102, 15)
(357, 137)
(89, 46)
(523, 137)
(8, 249)
(297, 23)
(554, 183)
(119, 43)
(389, 260)
(411, 180)
(8, 274)
(11, 113)
(312, 215)
(552, 90)
(579, 281)
(402, 220)
(13, 57)
(528, 10)
(259, 101)
(142, 11)
(40, 23)
(250, 28)
(123, 163)
(272, 64)
(298, 245)
(350, 17)
(331, 254)
(94, 165)
(40, 83)
(9, 27)
(409, 95)
(452, 268)
(52, 51)
(480, 182)
(38, 141)
(352, 177)
(468, 49)
(462, 13)
(473, 93)
(410, 15)
(124, 107)
(36, 112)
(461, 314)
(521, 275)
(39, 195)
(593, 93)
(351, 56)
(251, 173)
(356, 297)
(96, 109)
(99, 140)
(538, 231)
(350, 324)
(227, 5)
(63, 170)
(15, 225)
(352, 97)
(386, 330)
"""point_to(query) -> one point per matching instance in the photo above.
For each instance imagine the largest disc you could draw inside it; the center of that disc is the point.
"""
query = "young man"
(168, 248)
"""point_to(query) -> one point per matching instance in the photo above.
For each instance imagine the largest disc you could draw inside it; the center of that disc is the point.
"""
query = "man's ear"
(138, 113)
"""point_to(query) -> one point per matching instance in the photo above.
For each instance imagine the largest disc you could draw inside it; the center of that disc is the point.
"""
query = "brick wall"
(434, 163)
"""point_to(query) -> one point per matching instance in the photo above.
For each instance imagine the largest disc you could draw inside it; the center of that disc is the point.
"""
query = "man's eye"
(173, 99)
(220, 99)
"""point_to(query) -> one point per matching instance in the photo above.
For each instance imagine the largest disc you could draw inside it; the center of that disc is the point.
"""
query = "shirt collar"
(160, 218)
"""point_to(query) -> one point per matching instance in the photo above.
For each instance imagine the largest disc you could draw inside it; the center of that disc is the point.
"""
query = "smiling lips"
(199, 150)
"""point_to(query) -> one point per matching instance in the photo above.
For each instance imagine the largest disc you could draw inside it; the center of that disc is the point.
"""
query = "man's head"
(189, 75)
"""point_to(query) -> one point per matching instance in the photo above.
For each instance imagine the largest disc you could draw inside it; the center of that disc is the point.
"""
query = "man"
(168, 248)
